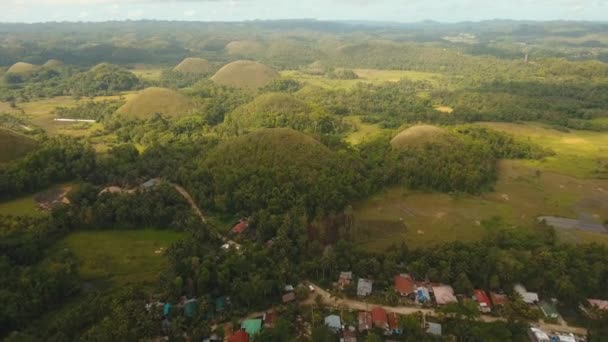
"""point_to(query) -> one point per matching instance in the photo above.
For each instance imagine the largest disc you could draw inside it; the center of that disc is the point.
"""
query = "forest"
(293, 127)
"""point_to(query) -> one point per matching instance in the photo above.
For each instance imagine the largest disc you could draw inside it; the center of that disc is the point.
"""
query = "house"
(151, 183)
(269, 318)
(482, 300)
(288, 288)
(598, 304)
(444, 294)
(433, 329)
(404, 285)
(379, 318)
(365, 321)
(240, 227)
(364, 287)
(549, 309)
(565, 338)
(423, 295)
(289, 297)
(333, 322)
(252, 326)
(349, 336)
(498, 299)
(190, 307)
(537, 335)
(528, 297)
(344, 279)
(239, 336)
(393, 323)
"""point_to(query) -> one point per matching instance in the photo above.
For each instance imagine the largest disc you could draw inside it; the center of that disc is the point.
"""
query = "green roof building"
(252, 326)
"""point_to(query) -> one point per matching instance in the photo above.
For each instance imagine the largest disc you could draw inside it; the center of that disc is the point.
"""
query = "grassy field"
(578, 153)
(120, 256)
(563, 185)
(148, 74)
(363, 131)
(23, 206)
(365, 75)
(40, 113)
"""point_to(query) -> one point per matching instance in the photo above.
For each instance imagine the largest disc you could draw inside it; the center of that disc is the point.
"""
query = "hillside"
(244, 47)
(270, 110)
(197, 66)
(245, 74)
(22, 68)
(156, 100)
(53, 63)
(14, 145)
(418, 135)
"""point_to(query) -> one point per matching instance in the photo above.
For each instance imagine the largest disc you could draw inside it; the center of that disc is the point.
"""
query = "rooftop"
(444, 294)
(252, 326)
(404, 284)
(364, 287)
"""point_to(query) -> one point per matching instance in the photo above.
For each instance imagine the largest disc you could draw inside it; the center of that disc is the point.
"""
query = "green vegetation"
(153, 101)
(14, 145)
(245, 74)
(121, 257)
(418, 136)
(53, 63)
(196, 66)
(22, 206)
(244, 48)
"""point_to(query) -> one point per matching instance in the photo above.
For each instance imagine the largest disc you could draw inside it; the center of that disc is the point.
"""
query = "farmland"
(120, 257)
(563, 185)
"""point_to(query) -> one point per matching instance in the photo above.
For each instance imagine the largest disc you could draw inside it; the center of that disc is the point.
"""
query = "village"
(351, 309)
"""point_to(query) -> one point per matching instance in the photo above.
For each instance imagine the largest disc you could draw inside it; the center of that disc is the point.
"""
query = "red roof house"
(498, 299)
(365, 321)
(392, 321)
(239, 336)
(379, 318)
(240, 227)
(482, 299)
(404, 284)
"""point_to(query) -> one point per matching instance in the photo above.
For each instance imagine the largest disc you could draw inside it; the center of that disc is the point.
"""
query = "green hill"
(276, 169)
(271, 110)
(244, 48)
(197, 66)
(157, 100)
(14, 145)
(418, 136)
(22, 68)
(245, 74)
(53, 63)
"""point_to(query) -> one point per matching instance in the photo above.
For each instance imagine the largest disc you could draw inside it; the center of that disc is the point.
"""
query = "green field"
(23, 206)
(363, 131)
(562, 185)
(578, 153)
(120, 256)
(152, 74)
(365, 75)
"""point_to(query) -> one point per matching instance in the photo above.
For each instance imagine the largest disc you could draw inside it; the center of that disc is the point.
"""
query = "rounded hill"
(53, 63)
(22, 68)
(197, 66)
(275, 169)
(14, 145)
(270, 110)
(157, 100)
(419, 135)
(244, 47)
(245, 74)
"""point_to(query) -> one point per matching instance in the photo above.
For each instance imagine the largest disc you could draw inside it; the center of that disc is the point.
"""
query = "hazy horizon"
(449, 11)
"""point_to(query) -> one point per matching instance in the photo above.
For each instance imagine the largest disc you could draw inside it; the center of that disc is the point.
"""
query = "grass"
(245, 74)
(424, 219)
(578, 153)
(40, 113)
(194, 66)
(363, 131)
(14, 145)
(120, 257)
(157, 100)
(365, 75)
(148, 74)
(23, 206)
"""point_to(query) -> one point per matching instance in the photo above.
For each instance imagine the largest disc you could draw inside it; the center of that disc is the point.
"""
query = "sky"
(238, 10)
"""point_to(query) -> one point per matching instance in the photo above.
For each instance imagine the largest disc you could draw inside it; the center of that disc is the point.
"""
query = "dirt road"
(330, 300)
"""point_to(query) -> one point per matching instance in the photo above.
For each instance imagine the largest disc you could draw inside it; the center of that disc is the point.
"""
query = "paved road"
(186, 195)
(330, 300)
